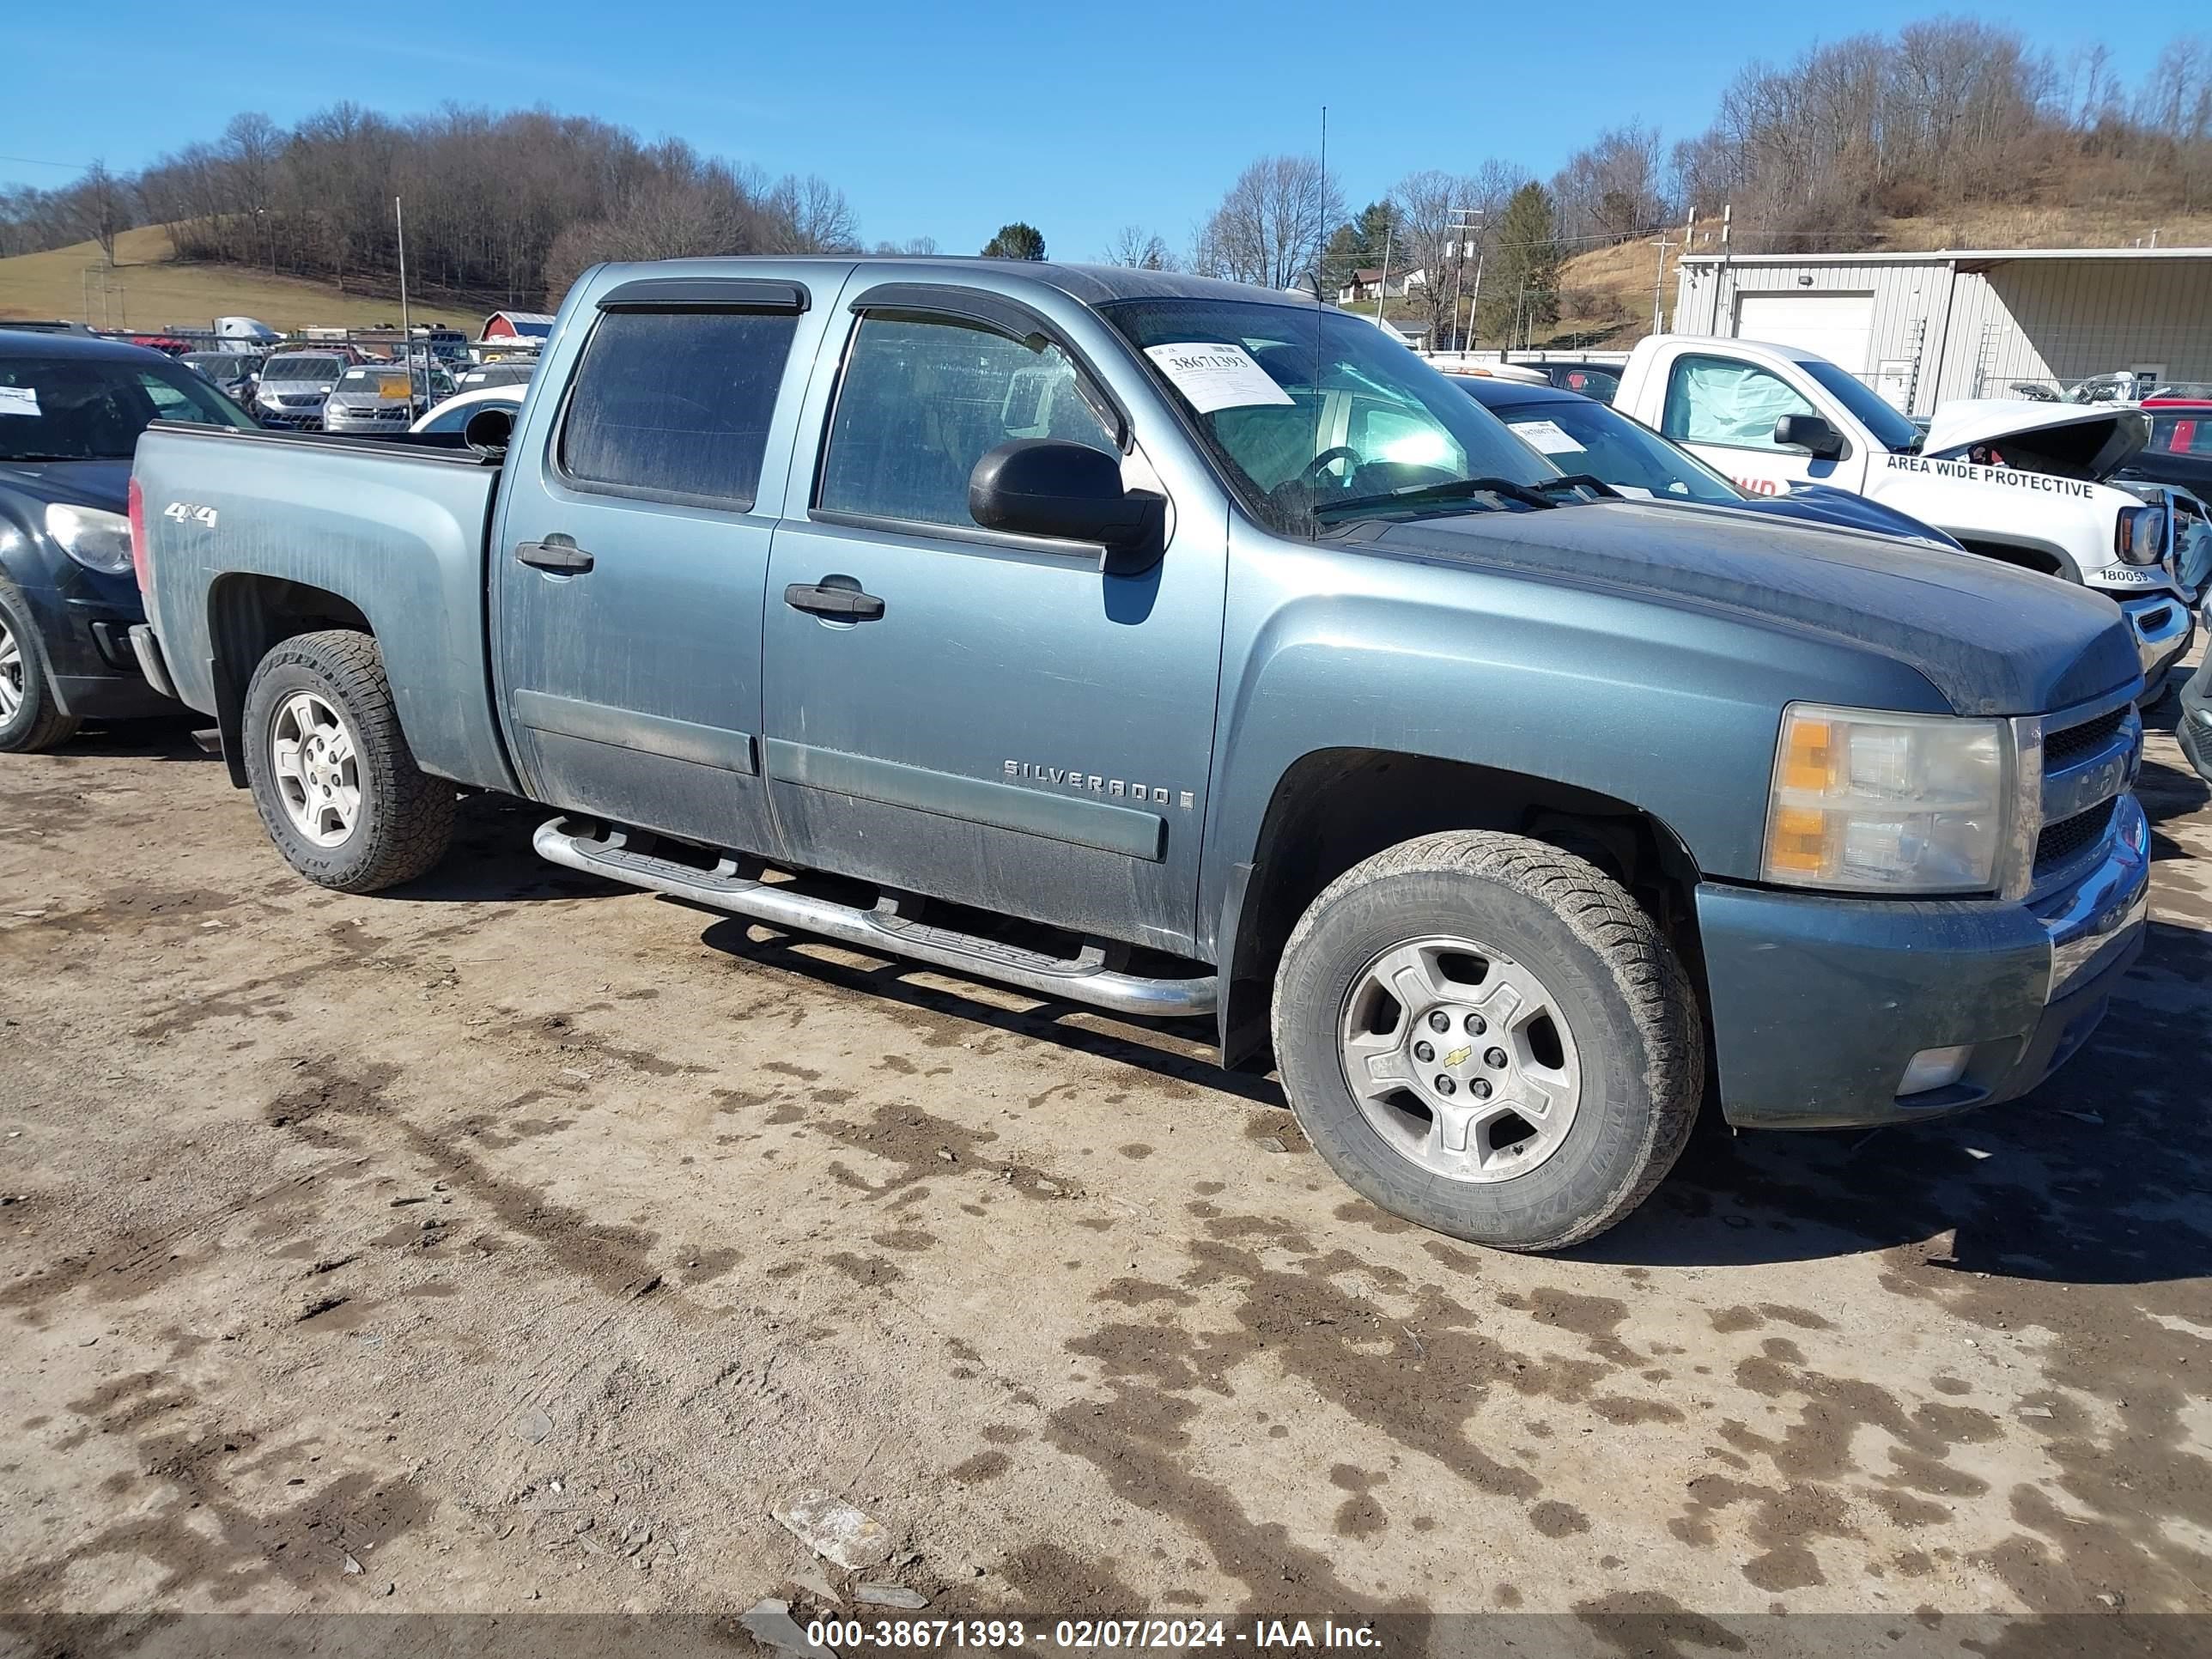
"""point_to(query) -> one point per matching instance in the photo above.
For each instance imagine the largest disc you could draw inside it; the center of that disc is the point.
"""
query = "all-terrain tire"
(405, 819)
(36, 723)
(1618, 985)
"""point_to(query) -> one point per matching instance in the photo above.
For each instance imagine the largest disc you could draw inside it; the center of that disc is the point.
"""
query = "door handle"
(559, 553)
(839, 604)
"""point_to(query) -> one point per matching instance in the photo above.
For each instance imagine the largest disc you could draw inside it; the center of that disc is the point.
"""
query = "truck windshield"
(1365, 431)
(1891, 429)
(86, 409)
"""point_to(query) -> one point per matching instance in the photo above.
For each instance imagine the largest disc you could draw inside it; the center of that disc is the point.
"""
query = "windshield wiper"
(1451, 490)
(1579, 481)
(16, 460)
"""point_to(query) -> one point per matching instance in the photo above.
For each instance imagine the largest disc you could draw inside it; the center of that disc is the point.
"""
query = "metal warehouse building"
(1920, 327)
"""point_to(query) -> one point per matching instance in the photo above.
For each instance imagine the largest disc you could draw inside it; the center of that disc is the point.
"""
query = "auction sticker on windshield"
(24, 400)
(1214, 376)
(1547, 435)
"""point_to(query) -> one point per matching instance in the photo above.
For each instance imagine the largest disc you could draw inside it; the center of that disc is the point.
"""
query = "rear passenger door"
(632, 552)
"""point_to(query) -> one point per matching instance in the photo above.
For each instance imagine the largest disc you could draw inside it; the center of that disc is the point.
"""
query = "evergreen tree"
(1520, 287)
(1016, 241)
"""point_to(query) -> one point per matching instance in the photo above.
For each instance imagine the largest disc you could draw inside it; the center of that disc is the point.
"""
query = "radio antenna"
(1314, 275)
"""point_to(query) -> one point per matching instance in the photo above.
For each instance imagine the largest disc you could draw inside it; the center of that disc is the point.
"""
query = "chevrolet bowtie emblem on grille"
(1074, 777)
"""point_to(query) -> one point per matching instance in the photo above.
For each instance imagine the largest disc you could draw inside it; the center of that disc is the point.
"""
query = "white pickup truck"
(2021, 482)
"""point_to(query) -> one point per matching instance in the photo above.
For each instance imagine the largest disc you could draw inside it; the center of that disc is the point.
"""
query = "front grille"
(2060, 841)
(2060, 747)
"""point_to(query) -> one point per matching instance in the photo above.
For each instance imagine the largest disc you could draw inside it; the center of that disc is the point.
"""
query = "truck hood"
(1992, 639)
(1823, 504)
(2096, 440)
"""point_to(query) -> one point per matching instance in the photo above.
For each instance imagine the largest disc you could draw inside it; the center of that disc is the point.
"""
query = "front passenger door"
(994, 719)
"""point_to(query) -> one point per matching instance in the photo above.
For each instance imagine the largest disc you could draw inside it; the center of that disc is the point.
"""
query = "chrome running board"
(1082, 978)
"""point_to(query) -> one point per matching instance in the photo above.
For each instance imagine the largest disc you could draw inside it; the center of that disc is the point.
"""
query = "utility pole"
(1463, 222)
(1383, 288)
(1658, 283)
(406, 331)
(1721, 280)
(1474, 300)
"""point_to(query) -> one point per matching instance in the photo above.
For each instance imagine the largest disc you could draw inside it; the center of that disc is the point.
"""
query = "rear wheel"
(1486, 1036)
(332, 776)
(30, 718)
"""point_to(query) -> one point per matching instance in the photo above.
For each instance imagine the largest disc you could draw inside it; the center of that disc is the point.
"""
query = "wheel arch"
(2025, 551)
(248, 616)
(1336, 806)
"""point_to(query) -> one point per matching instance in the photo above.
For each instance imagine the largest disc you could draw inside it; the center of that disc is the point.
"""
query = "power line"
(33, 161)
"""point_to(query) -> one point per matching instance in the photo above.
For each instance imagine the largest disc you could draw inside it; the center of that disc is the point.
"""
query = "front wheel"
(1488, 1036)
(332, 776)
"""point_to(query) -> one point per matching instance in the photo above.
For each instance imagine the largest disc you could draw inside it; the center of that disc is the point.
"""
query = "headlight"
(1885, 802)
(2139, 536)
(98, 541)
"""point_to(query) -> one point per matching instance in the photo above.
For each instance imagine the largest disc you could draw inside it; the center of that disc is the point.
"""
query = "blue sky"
(946, 121)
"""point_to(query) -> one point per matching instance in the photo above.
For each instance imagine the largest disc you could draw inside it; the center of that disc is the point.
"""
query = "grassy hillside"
(149, 289)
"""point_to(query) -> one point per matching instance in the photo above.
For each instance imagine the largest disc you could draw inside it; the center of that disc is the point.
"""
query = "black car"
(1579, 435)
(72, 410)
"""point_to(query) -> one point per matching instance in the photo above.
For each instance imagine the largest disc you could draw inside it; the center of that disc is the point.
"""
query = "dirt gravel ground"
(522, 1242)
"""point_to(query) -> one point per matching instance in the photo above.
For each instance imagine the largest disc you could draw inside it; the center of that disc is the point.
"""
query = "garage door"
(1837, 326)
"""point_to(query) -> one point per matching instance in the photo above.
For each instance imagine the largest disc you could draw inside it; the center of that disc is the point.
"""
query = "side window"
(1712, 400)
(924, 399)
(676, 404)
(170, 403)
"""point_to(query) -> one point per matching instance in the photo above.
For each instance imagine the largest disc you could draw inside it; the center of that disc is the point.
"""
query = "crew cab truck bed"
(378, 534)
(1177, 648)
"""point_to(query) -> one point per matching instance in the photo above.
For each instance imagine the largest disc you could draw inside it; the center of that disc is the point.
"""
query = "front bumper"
(1818, 1004)
(84, 626)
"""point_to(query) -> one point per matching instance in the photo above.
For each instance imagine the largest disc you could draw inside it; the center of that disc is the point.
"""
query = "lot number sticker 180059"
(1214, 376)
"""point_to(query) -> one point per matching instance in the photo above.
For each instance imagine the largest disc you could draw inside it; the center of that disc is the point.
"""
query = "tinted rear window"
(676, 404)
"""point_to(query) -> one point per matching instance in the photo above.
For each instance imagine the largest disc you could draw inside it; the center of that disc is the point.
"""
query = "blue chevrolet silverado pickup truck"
(1188, 649)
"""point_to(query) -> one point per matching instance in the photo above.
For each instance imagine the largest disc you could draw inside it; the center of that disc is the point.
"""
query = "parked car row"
(1165, 646)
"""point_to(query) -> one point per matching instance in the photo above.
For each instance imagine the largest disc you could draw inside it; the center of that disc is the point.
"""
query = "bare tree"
(98, 208)
(817, 218)
(1429, 241)
(1134, 245)
(1614, 189)
(1272, 225)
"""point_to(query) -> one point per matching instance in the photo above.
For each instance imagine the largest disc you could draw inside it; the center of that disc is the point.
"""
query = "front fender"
(1671, 709)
